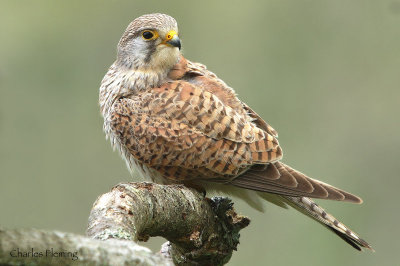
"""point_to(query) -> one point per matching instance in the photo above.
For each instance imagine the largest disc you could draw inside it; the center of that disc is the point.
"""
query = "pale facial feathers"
(134, 52)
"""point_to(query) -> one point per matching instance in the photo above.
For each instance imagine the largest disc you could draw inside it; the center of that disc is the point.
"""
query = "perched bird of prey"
(176, 122)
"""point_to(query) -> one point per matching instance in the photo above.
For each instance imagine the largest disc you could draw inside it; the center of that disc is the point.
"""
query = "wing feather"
(193, 127)
(181, 125)
(304, 185)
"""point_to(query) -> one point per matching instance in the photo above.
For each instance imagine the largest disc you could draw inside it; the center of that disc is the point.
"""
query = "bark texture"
(40, 247)
(200, 231)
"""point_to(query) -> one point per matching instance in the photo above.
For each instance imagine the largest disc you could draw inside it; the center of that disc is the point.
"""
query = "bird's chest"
(135, 167)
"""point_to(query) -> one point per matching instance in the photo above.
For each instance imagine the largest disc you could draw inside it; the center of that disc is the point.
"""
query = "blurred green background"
(325, 74)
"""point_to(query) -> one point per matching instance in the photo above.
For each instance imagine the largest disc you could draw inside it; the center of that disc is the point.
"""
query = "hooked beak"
(172, 39)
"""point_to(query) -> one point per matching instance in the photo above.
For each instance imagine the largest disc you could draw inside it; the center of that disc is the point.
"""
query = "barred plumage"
(177, 122)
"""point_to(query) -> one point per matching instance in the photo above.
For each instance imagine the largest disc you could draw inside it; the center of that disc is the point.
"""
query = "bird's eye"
(148, 35)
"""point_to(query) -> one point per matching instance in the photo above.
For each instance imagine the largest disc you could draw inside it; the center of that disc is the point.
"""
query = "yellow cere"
(170, 35)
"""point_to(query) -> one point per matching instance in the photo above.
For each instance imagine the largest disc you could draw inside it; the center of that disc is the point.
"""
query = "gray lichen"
(200, 231)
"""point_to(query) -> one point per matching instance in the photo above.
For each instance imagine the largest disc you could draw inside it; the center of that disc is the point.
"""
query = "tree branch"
(40, 247)
(200, 231)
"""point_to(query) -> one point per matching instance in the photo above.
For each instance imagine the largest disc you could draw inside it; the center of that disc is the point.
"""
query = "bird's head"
(150, 42)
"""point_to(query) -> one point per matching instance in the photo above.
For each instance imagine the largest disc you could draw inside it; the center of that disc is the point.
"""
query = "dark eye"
(147, 35)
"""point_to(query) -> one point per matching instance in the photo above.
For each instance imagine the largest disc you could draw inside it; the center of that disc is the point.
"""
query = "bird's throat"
(142, 79)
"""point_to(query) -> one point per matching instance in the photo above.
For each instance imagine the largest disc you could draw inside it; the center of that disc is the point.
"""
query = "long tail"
(311, 209)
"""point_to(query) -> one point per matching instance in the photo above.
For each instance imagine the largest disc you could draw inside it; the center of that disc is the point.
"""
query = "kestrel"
(176, 122)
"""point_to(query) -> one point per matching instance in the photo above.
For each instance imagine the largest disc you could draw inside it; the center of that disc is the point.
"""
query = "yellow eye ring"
(149, 35)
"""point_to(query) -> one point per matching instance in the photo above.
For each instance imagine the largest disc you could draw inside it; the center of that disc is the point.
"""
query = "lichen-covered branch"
(200, 231)
(40, 247)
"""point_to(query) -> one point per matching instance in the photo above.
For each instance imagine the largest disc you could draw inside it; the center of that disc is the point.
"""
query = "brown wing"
(281, 179)
(187, 133)
(276, 177)
(196, 128)
(259, 121)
